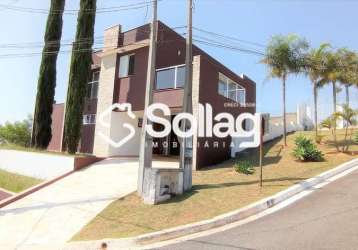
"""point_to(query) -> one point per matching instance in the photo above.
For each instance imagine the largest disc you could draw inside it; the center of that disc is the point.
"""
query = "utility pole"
(262, 131)
(186, 151)
(146, 141)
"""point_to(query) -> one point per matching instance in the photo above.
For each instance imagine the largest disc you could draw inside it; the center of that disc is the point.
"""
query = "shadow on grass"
(272, 155)
(196, 188)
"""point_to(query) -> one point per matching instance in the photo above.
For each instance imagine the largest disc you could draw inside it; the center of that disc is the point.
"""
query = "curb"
(244, 212)
(218, 221)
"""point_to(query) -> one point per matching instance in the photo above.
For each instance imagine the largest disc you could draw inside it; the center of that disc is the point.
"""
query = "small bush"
(244, 167)
(356, 138)
(305, 150)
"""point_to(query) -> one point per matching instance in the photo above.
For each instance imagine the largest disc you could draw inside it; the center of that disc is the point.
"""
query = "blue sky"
(253, 20)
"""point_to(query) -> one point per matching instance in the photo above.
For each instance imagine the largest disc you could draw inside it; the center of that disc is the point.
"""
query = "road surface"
(325, 219)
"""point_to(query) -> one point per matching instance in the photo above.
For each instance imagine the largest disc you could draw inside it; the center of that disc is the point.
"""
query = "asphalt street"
(325, 219)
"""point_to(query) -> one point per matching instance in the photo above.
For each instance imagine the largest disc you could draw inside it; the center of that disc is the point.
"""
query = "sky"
(318, 21)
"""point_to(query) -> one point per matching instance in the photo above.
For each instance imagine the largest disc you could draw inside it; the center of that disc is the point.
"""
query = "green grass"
(216, 190)
(15, 182)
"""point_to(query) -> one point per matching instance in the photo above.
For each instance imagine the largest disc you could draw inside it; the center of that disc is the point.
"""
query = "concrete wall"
(105, 100)
(37, 165)
(57, 128)
(275, 131)
(131, 148)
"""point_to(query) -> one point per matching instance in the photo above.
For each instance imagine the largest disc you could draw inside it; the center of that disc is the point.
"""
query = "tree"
(315, 61)
(80, 72)
(41, 132)
(285, 55)
(328, 123)
(349, 69)
(348, 115)
(18, 133)
(332, 74)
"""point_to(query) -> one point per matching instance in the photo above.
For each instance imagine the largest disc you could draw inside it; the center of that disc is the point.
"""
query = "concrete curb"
(244, 212)
(220, 220)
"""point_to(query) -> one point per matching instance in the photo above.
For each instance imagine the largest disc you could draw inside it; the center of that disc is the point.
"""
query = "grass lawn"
(15, 182)
(216, 190)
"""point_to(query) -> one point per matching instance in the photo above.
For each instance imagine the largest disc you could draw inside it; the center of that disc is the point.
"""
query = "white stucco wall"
(37, 165)
(118, 132)
(275, 131)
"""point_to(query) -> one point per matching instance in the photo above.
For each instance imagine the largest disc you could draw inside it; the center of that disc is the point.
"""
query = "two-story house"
(119, 76)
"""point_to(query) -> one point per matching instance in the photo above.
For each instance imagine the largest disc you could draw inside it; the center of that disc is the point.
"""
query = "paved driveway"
(326, 219)
(48, 218)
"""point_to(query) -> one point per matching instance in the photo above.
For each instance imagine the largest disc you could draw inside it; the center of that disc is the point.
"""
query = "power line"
(229, 37)
(134, 6)
(64, 42)
(226, 46)
(219, 43)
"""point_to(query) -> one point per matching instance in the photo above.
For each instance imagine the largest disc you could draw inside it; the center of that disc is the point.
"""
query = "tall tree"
(80, 72)
(41, 131)
(332, 73)
(285, 55)
(349, 69)
(315, 61)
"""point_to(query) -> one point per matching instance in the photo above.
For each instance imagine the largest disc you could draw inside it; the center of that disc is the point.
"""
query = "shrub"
(305, 150)
(244, 167)
(356, 138)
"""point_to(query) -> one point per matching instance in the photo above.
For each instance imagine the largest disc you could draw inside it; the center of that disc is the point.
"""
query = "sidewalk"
(53, 215)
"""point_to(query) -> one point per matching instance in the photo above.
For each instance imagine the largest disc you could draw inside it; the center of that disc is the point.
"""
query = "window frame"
(91, 83)
(91, 122)
(127, 66)
(175, 67)
(239, 88)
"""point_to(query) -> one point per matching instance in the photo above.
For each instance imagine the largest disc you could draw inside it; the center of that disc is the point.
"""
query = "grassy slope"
(15, 182)
(216, 190)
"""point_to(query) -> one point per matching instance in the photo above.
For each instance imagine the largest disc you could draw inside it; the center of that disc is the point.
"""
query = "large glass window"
(180, 77)
(126, 65)
(92, 87)
(222, 88)
(231, 90)
(170, 78)
(166, 79)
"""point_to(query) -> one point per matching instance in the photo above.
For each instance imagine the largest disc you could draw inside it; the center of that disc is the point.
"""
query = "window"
(170, 78)
(89, 119)
(92, 87)
(126, 65)
(231, 90)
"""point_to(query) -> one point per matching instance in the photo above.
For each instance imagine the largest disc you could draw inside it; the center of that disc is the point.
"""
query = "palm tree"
(41, 130)
(315, 61)
(331, 73)
(80, 71)
(349, 70)
(284, 55)
(348, 115)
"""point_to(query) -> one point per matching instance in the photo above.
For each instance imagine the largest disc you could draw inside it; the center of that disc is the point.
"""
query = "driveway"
(325, 219)
(48, 218)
